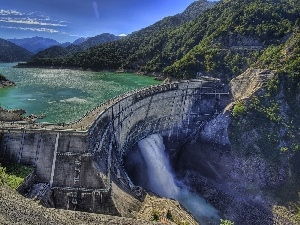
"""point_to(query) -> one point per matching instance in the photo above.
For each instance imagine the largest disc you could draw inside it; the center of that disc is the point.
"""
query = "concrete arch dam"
(84, 170)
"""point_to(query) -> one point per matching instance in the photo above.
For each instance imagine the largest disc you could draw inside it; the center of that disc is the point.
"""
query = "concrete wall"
(37, 148)
(174, 110)
(81, 168)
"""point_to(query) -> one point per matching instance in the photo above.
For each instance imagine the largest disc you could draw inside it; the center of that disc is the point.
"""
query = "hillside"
(79, 41)
(10, 52)
(34, 44)
(222, 41)
(235, 34)
(57, 51)
(135, 50)
(266, 125)
(99, 39)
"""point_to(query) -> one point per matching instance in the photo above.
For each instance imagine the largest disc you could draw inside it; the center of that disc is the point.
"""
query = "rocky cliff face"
(245, 162)
(216, 129)
(236, 41)
(249, 82)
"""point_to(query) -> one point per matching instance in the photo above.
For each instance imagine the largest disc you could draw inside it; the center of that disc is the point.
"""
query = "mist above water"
(161, 180)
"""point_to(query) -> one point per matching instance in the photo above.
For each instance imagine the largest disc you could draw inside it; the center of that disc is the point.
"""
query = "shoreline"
(4, 82)
(7, 83)
(157, 75)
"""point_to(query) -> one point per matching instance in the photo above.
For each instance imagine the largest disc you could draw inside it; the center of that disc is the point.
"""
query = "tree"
(226, 222)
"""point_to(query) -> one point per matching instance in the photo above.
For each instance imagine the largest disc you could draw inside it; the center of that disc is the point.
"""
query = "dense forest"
(222, 41)
(128, 53)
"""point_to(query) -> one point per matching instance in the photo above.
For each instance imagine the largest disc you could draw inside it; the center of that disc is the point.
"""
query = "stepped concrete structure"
(81, 164)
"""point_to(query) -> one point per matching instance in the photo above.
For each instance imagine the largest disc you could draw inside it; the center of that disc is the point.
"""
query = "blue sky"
(67, 20)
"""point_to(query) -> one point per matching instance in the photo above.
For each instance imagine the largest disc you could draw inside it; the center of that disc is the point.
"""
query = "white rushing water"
(160, 177)
(161, 181)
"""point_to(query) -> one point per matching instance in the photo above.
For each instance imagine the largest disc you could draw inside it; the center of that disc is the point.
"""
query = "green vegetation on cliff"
(276, 106)
(268, 123)
(13, 174)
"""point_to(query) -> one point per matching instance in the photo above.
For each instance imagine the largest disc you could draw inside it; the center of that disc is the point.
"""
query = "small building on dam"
(80, 166)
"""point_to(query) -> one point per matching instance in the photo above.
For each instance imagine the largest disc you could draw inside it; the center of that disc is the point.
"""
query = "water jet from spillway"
(159, 172)
(161, 181)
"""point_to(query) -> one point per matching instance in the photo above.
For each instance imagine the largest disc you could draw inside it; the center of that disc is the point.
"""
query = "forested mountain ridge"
(10, 52)
(222, 42)
(235, 34)
(99, 39)
(192, 12)
(266, 125)
(124, 53)
(57, 51)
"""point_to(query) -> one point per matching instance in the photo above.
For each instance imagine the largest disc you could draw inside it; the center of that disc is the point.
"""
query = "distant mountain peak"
(99, 39)
(10, 52)
(196, 8)
(79, 41)
(81, 44)
(34, 44)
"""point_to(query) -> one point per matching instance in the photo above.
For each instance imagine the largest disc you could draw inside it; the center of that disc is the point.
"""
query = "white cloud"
(33, 18)
(10, 12)
(122, 35)
(46, 30)
(33, 29)
(30, 22)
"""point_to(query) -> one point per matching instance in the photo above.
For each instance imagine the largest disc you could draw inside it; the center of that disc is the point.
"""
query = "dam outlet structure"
(83, 169)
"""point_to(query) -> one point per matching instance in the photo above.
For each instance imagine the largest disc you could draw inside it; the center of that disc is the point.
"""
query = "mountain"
(265, 128)
(222, 41)
(226, 40)
(34, 44)
(65, 44)
(99, 39)
(67, 49)
(79, 41)
(9, 52)
(195, 9)
(57, 51)
(136, 49)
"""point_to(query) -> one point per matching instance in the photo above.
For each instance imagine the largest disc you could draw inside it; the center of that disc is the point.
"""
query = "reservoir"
(64, 95)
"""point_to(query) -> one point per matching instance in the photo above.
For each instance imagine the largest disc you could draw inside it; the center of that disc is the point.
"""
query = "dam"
(80, 165)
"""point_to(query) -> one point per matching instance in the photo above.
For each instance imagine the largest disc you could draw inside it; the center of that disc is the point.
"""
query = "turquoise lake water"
(64, 95)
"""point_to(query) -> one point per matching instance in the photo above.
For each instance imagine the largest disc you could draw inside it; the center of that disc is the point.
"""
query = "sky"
(68, 20)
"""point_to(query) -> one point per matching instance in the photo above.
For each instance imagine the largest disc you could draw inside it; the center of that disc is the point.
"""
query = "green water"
(64, 95)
